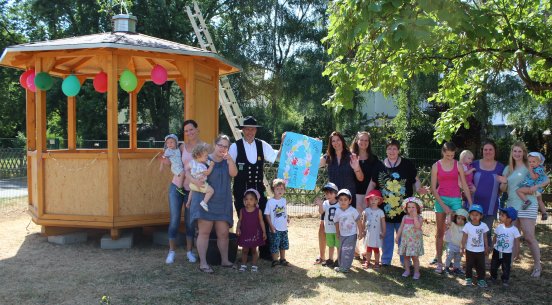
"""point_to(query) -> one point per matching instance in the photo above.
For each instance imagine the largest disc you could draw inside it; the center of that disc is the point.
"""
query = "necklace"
(394, 164)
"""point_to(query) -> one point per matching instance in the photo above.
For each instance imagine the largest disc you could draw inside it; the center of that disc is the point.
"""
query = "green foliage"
(382, 44)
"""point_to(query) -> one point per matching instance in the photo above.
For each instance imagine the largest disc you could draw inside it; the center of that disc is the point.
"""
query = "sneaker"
(320, 261)
(204, 206)
(243, 268)
(341, 270)
(439, 268)
(459, 271)
(448, 271)
(544, 216)
(170, 257)
(482, 284)
(526, 204)
(328, 263)
(469, 282)
(254, 268)
(406, 273)
(434, 262)
(416, 276)
(336, 263)
(191, 257)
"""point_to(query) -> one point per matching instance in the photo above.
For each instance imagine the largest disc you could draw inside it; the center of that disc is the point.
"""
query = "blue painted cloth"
(220, 205)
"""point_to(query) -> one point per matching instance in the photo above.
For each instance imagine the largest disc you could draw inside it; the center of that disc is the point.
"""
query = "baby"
(200, 168)
(534, 182)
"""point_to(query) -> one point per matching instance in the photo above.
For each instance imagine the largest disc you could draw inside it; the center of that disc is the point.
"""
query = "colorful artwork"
(299, 161)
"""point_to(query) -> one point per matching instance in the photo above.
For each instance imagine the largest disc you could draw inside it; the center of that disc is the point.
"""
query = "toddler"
(328, 209)
(277, 219)
(506, 237)
(453, 237)
(466, 158)
(172, 152)
(347, 225)
(412, 242)
(250, 229)
(373, 222)
(474, 245)
(534, 182)
(200, 168)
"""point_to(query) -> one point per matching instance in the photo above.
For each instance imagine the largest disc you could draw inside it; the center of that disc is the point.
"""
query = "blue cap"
(477, 208)
(510, 212)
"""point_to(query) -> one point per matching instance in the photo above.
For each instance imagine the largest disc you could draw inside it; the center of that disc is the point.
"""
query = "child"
(172, 152)
(453, 237)
(347, 224)
(373, 222)
(277, 219)
(328, 209)
(466, 158)
(200, 171)
(250, 229)
(534, 182)
(474, 245)
(412, 242)
(506, 237)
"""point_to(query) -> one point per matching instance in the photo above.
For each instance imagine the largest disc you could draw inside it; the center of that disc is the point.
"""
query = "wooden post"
(31, 138)
(40, 140)
(71, 123)
(133, 111)
(112, 139)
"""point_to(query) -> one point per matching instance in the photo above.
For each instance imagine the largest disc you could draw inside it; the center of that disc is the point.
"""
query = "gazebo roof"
(14, 56)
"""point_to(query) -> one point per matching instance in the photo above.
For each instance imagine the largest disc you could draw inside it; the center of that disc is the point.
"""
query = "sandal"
(283, 262)
(207, 269)
(254, 268)
(366, 265)
(544, 216)
(243, 268)
(275, 263)
(227, 266)
(319, 261)
(439, 268)
(536, 272)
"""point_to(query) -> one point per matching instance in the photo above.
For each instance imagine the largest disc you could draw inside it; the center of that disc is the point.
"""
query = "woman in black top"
(396, 177)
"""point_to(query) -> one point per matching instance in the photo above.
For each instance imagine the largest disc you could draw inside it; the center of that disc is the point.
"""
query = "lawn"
(34, 271)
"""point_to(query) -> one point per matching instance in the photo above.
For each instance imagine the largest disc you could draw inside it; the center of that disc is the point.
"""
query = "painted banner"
(299, 161)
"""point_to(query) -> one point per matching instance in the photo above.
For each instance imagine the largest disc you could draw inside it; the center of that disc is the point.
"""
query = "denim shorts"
(278, 241)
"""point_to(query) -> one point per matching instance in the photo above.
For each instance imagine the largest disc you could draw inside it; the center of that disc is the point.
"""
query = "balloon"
(43, 81)
(100, 82)
(30, 81)
(71, 85)
(23, 78)
(159, 75)
(128, 81)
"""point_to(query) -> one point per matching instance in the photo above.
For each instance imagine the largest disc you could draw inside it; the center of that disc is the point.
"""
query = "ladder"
(227, 99)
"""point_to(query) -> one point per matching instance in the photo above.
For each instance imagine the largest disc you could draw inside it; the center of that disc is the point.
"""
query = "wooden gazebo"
(111, 188)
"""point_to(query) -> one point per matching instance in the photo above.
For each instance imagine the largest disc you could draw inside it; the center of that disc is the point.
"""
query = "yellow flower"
(393, 201)
(393, 186)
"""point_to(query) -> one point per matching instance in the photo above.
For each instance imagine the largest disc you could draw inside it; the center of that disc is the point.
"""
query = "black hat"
(249, 122)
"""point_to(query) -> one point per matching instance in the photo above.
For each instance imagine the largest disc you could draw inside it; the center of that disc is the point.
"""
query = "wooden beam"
(133, 125)
(186, 68)
(31, 138)
(41, 141)
(80, 63)
(112, 136)
(71, 123)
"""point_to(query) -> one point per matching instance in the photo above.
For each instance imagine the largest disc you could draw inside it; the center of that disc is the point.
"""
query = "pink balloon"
(100, 82)
(23, 78)
(30, 81)
(159, 75)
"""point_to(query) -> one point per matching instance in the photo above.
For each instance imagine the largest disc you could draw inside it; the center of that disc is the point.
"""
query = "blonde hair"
(465, 153)
(277, 182)
(511, 162)
(199, 150)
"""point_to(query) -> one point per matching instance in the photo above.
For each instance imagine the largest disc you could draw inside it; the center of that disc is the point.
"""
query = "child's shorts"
(278, 241)
(454, 203)
(202, 189)
(331, 240)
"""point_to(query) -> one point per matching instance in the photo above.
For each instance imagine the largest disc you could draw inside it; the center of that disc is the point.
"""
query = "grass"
(37, 272)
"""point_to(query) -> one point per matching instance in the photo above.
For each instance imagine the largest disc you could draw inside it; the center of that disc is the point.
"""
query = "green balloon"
(43, 81)
(128, 81)
(71, 85)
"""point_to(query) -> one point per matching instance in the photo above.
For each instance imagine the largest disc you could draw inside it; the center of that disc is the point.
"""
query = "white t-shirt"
(251, 152)
(505, 238)
(347, 221)
(329, 214)
(476, 236)
(276, 209)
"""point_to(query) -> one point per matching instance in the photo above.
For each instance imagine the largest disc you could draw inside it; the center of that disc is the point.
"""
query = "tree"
(382, 44)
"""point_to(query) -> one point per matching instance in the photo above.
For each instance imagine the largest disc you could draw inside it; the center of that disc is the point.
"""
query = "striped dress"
(514, 179)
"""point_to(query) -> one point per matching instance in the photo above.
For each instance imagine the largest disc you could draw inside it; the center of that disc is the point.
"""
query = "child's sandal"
(254, 268)
(366, 265)
(275, 263)
(283, 262)
(243, 268)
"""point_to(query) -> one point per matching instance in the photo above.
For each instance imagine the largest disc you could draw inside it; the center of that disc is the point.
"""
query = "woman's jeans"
(389, 242)
(176, 201)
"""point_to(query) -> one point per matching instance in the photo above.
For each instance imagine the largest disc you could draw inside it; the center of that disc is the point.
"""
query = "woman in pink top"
(448, 196)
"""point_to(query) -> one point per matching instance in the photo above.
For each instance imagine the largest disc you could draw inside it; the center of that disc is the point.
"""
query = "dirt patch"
(34, 271)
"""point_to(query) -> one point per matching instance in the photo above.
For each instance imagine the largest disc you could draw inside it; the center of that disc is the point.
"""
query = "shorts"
(278, 241)
(202, 189)
(372, 249)
(331, 240)
(454, 203)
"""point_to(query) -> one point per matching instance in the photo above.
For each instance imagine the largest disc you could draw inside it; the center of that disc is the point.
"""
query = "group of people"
(369, 204)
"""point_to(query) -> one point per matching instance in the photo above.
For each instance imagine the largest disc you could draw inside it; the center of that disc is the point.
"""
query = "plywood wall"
(76, 187)
(143, 188)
